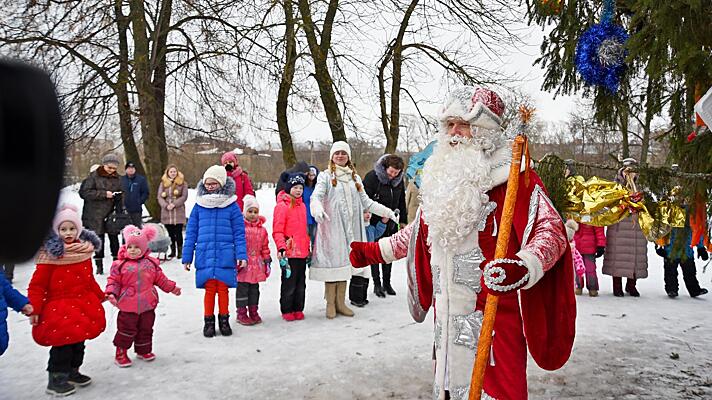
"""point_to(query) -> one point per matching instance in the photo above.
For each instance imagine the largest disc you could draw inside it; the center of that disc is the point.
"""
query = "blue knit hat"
(294, 180)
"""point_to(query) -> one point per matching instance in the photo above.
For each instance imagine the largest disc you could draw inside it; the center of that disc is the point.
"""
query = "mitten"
(504, 275)
(599, 251)
(364, 254)
(318, 213)
(661, 251)
(112, 300)
(702, 254)
(284, 264)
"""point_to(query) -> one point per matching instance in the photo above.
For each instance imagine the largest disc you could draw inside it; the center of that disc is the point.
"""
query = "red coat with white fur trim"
(545, 321)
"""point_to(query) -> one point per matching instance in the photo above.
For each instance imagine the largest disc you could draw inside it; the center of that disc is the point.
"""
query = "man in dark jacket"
(135, 193)
(98, 191)
(385, 185)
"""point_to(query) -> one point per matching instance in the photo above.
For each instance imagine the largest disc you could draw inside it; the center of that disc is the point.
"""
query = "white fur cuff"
(386, 250)
(534, 266)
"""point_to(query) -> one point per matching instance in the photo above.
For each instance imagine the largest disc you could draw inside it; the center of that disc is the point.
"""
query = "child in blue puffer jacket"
(10, 297)
(216, 235)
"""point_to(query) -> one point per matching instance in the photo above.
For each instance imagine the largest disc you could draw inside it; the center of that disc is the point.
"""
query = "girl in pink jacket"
(289, 231)
(258, 264)
(591, 243)
(131, 287)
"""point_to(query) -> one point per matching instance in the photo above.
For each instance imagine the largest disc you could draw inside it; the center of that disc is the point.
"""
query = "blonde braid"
(332, 169)
(359, 187)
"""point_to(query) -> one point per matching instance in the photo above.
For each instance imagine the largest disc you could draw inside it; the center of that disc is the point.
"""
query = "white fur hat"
(478, 106)
(216, 172)
(340, 146)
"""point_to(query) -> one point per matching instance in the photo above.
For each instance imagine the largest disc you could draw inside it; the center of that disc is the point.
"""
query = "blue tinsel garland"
(588, 62)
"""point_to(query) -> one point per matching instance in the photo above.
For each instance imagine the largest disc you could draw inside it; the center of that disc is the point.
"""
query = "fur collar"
(383, 176)
(102, 172)
(54, 245)
(167, 182)
(501, 161)
(220, 199)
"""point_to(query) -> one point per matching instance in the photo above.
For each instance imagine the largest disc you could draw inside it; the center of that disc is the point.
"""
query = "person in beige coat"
(172, 193)
(626, 247)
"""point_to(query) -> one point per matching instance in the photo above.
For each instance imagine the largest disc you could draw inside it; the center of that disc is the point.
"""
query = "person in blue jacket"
(306, 197)
(681, 254)
(216, 235)
(358, 289)
(135, 193)
(10, 297)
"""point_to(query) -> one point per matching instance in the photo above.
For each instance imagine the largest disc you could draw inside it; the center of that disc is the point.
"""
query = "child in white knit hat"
(216, 236)
(258, 264)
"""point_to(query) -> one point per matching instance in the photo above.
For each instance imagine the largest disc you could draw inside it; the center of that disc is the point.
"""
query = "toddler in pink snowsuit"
(591, 243)
(258, 264)
(131, 287)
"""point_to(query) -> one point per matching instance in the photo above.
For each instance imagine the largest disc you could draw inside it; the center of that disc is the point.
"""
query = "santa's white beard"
(455, 182)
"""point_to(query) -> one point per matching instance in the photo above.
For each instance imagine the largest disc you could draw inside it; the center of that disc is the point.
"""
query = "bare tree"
(482, 22)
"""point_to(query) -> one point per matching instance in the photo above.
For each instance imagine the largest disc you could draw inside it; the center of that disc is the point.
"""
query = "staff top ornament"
(600, 51)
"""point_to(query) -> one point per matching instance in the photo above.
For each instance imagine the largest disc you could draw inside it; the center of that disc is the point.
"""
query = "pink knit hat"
(250, 201)
(67, 212)
(139, 237)
(229, 156)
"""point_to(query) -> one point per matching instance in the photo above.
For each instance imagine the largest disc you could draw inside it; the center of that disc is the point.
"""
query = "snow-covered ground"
(650, 347)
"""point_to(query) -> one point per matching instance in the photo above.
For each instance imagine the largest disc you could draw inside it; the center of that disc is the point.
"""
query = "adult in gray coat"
(99, 191)
(626, 246)
(172, 193)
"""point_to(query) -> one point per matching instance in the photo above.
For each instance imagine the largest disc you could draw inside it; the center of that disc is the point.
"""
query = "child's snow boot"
(122, 359)
(58, 384)
(209, 328)
(593, 293)
(298, 315)
(289, 317)
(242, 317)
(578, 291)
(77, 378)
(146, 357)
(224, 324)
(254, 316)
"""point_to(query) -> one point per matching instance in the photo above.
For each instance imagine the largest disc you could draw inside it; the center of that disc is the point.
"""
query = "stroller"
(162, 243)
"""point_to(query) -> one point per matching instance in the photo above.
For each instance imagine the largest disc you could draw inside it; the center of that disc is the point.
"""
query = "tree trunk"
(394, 129)
(153, 145)
(650, 111)
(285, 85)
(623, 124)
(319, 54)
(121, 90)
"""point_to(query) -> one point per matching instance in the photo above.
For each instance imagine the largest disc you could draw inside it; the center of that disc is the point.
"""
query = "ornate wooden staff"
(510, 199)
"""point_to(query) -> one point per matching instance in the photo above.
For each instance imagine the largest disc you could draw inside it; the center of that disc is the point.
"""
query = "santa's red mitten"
(364, 254)
(504, 275)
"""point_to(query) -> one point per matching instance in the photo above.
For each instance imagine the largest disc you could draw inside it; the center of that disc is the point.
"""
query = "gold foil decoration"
(600, 202)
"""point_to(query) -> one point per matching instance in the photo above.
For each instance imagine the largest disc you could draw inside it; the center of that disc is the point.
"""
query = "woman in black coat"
(385, 185)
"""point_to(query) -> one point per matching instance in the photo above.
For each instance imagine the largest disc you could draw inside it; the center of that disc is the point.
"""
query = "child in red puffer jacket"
(289, 231)
(66, 300)
(131, 287)
(258, 264)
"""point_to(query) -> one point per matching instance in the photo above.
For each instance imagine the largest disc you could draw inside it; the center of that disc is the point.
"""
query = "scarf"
(343, 174)
(73, 253)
